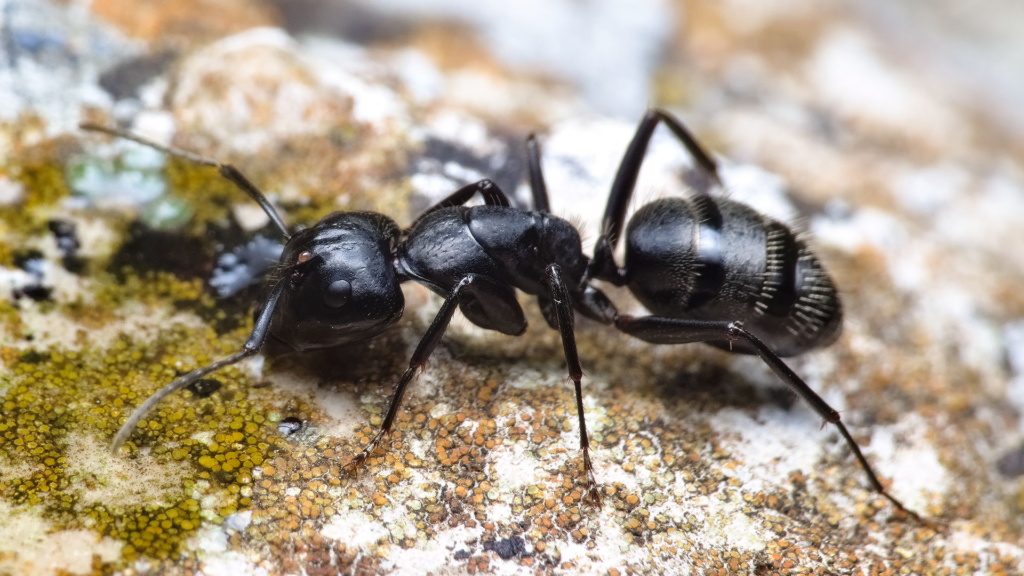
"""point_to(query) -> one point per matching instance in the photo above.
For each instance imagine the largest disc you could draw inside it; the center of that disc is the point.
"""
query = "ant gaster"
(710, 269)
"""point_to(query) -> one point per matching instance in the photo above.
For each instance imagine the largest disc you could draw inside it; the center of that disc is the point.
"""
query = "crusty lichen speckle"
(61, 408)
(191, 461)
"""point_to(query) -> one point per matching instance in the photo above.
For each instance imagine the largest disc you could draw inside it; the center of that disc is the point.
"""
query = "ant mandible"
(711, 270)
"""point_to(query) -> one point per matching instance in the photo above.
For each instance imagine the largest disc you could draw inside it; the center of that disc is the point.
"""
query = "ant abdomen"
(709, 258)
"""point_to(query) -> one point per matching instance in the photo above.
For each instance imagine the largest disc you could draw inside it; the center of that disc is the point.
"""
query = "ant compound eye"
(303, 257)
(337, 294)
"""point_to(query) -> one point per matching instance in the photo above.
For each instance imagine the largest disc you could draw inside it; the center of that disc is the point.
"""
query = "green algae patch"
(152, 288)
(10, 323)
(190, 462)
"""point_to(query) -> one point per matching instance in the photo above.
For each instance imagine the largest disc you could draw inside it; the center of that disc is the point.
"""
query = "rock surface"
(885, 133)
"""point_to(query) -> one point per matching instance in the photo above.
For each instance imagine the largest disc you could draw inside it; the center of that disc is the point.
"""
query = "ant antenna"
(226, 170)
(260, 330)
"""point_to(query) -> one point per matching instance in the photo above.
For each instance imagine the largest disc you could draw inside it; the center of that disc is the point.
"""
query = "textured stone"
(908, 182)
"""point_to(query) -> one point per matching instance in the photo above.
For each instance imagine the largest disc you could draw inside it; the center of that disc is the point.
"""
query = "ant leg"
(226, 170)
(493, 305)
(536, 174)
(492, 194)
(472, 290)
(629, 169)
(419, 359)
(704, 160)
(659, 330)
(260, 330)
(564, 313)
(603, 265)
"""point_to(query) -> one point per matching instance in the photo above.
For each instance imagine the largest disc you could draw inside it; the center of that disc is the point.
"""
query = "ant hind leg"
(660, 330)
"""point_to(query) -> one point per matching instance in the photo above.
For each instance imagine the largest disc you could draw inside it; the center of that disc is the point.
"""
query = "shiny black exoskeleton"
(710, 258)
(709, 269)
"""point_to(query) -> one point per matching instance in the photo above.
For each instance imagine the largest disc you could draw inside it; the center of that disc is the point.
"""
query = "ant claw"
(934, 524)
(357, 462)
(359, 459)
(592, 497)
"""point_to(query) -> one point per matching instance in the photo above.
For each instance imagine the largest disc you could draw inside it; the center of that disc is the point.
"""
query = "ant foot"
(592, 495)
(357, 461)
(936, 525)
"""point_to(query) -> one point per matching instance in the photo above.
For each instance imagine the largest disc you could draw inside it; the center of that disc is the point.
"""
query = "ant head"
(342, 285)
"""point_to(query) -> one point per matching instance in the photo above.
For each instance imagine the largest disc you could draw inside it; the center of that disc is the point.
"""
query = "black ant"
(711, 270)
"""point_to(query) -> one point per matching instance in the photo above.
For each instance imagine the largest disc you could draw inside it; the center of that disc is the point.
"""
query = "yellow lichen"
(54, 396)
(50, 396)
(42, 182)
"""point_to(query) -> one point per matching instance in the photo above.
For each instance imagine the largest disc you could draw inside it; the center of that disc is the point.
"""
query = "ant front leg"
(483, 302)
(563, 312)
(658, 330)
(253, 344)
(419, 358)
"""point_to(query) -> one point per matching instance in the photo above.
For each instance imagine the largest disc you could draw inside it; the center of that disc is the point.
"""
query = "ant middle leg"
(491, 193)
(659, 330)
